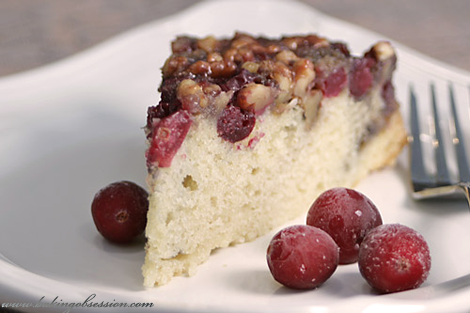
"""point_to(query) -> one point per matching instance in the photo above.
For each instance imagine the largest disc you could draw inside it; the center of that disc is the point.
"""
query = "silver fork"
(441, 183)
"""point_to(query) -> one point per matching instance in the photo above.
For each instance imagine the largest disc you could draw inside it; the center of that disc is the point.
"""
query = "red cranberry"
(347, 215)
(332, 84)
(120, 211)
(183, 44)
(388, 93)
(235, 124)
(238, 81)
(342, 47)
(393, 258)
(360, 78)
(167, 137)
(302, 257)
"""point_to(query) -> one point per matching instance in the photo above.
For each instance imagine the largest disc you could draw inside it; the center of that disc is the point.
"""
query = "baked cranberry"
(235, 124)
(167, 137)
(342, 47)
(393, 258)
(302, 257)
(333, 83)
(360, 78)
(183, 44)
(169, 102)
(163, 109)
(238, 81)
(169, 88)
(120, 211)
(347, 215)
(388, 93)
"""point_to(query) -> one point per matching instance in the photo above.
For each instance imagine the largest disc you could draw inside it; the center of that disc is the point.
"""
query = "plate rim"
(11, 271)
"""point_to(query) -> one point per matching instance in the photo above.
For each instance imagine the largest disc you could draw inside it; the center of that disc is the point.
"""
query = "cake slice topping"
(234, 81)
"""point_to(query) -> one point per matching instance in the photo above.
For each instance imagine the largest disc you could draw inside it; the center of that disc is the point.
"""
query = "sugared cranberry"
(167, 137)
(360, 78)
(302, 257)
(393, 258)
(347, 215)
(235, 124)
(120, 211)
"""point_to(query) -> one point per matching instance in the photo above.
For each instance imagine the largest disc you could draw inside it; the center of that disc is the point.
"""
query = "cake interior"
(216, 194)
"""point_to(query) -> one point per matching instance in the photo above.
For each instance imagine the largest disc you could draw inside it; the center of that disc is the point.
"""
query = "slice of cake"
(250, 130)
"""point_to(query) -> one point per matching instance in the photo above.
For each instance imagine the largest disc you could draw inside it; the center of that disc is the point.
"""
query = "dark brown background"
(37, 32)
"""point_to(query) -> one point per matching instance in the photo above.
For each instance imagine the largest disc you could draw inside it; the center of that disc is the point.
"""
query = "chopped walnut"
(304, 75)
(311, 103)
(255, 97)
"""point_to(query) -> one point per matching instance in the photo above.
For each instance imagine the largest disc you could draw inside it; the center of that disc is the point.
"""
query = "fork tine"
(458, 141)
(419, 175)
(442, 173)
(424, 185)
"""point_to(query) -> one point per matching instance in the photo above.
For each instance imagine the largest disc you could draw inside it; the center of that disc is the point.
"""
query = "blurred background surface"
(37, 32)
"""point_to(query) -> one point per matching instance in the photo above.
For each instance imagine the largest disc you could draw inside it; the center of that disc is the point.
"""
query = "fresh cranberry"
(302, 257)
(167, 137)
(360, 78)
(347, 215)
(393, 258)
(333, 83)
(235, 124)
(120, 211)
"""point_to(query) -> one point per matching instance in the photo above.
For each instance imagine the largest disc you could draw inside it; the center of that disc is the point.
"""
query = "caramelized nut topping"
(236, 80)
(174, 65)
(208, 44)
(383, 51)
(311, 104)
(384, 55)
(200, 67)
(230, 54)
(191, 96)
(251, 66)
(287, 56)
(214, 57)
(255, 98)
(304, 75)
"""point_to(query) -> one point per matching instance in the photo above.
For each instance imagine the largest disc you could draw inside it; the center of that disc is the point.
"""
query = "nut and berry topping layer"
(236, 80)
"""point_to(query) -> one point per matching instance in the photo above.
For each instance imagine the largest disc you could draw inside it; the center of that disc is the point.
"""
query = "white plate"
(72, 127)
